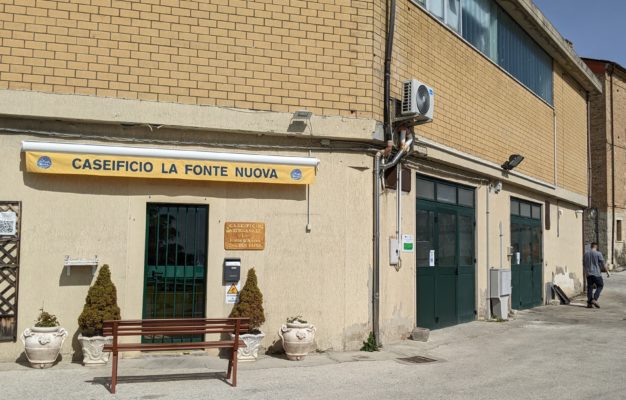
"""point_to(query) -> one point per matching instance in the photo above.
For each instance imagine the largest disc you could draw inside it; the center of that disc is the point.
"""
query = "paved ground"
(552, 352)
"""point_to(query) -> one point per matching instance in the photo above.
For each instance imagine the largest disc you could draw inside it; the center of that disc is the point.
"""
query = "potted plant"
(250, 305)
(100, 305)
(43, 342)
(298, 337)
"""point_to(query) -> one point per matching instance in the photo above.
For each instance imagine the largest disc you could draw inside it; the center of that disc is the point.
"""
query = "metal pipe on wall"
(611, 69)
(391, 22)
(379, 168)
(376, 255)
(488, 311)
(399, 198)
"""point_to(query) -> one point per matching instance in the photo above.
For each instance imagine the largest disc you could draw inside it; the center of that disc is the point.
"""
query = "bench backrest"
(176, 326)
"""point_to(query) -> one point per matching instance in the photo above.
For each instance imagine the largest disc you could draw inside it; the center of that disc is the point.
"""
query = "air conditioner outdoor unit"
(418, 100)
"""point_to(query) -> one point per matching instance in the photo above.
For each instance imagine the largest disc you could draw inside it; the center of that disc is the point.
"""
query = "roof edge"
(602, 61)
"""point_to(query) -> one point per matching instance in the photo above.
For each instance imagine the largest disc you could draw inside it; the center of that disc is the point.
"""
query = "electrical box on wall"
(232, 269)
(394, 251)
(500, 280)
(391, 179)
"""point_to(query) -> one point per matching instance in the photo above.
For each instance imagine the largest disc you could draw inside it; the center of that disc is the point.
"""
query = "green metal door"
(175, 264)
(527, 257)
(444, 254)
(466, 286)
(446, 269)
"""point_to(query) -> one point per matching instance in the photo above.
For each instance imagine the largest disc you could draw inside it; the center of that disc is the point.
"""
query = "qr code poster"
(8, 222)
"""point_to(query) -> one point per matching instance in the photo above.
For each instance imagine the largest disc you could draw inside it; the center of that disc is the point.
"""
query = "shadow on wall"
(79, 276)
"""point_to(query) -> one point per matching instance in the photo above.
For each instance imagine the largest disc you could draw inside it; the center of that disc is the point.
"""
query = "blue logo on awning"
(44, 162)
(296, 174)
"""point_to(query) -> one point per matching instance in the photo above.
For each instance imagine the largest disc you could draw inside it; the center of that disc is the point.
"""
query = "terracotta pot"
(93, 353)
(251, 351)
(298, 339)
(42, 345)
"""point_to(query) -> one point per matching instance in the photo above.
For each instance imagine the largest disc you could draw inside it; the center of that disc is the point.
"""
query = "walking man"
(593, 264)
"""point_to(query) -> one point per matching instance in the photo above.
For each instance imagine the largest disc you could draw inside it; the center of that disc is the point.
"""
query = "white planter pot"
(251, 351)
(42, 345)
(298, 339)
(92, 349)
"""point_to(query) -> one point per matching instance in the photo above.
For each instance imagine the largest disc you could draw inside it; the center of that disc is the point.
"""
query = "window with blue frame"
(494, 33)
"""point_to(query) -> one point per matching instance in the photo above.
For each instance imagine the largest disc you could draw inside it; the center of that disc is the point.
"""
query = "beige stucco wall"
(323, 274)
(562, 247)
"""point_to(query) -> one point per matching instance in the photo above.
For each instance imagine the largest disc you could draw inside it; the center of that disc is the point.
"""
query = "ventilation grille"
(406, 97)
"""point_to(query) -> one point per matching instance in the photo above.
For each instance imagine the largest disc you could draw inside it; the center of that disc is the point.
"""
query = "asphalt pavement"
(550, 352)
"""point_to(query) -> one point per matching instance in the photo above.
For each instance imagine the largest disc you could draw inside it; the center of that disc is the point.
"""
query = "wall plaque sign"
(244, 236)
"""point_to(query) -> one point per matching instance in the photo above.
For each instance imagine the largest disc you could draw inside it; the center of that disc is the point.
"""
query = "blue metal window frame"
(512, 49)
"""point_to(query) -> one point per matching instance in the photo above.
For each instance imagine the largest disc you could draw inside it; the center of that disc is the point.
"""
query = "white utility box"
(500, 280)
(499, 291)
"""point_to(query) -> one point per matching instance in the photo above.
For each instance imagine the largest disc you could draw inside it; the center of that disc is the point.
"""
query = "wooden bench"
(176, 328)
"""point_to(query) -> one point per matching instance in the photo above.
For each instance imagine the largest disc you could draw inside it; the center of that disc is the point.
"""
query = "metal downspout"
(589, 170)
(612, 68)
(376, 266)
(391, 22)
(487, 257)
(399, 197)
(378, 169)
(589, 181)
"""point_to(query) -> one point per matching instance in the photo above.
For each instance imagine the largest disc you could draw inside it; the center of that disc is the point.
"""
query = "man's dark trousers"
(591, 280)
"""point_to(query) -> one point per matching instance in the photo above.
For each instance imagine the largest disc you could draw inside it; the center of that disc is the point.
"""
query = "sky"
(596, 27)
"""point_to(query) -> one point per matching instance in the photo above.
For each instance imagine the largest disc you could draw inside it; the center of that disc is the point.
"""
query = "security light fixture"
(513, 161)
(302, 115)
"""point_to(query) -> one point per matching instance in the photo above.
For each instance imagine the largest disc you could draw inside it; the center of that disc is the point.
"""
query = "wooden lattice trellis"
(9, 274)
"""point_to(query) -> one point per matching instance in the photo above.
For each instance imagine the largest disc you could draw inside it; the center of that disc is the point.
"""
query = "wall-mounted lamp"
(302, 115)
(299, 121)
(513, 161)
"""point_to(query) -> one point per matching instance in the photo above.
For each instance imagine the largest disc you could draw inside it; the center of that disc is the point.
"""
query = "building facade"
(192, 83)
(608, 129)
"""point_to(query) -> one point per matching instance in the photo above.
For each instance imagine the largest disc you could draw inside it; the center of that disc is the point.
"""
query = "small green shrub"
(100, 304)
(46, 320)
(250, 303)
(370, 344)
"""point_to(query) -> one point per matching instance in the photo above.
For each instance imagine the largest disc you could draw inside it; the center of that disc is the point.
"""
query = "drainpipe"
(379, 168)
(487, 258)
(589, 177)
(555, 147)
(589, 181)
(610, 70)
(399, 198)
(388, 135)
(391, 23)
(376, 267)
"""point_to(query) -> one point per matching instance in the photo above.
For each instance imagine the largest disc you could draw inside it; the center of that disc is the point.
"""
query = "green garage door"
(175, 264)
(444, 254)
(527, 257)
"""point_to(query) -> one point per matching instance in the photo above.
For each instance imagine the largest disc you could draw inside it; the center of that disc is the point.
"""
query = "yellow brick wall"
(571, 111)
(278, 55)
(483, 111)
(283, 55)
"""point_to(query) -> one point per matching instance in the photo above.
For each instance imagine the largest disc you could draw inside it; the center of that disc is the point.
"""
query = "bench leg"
(234, 368)
(230, 364)
(114, 373)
